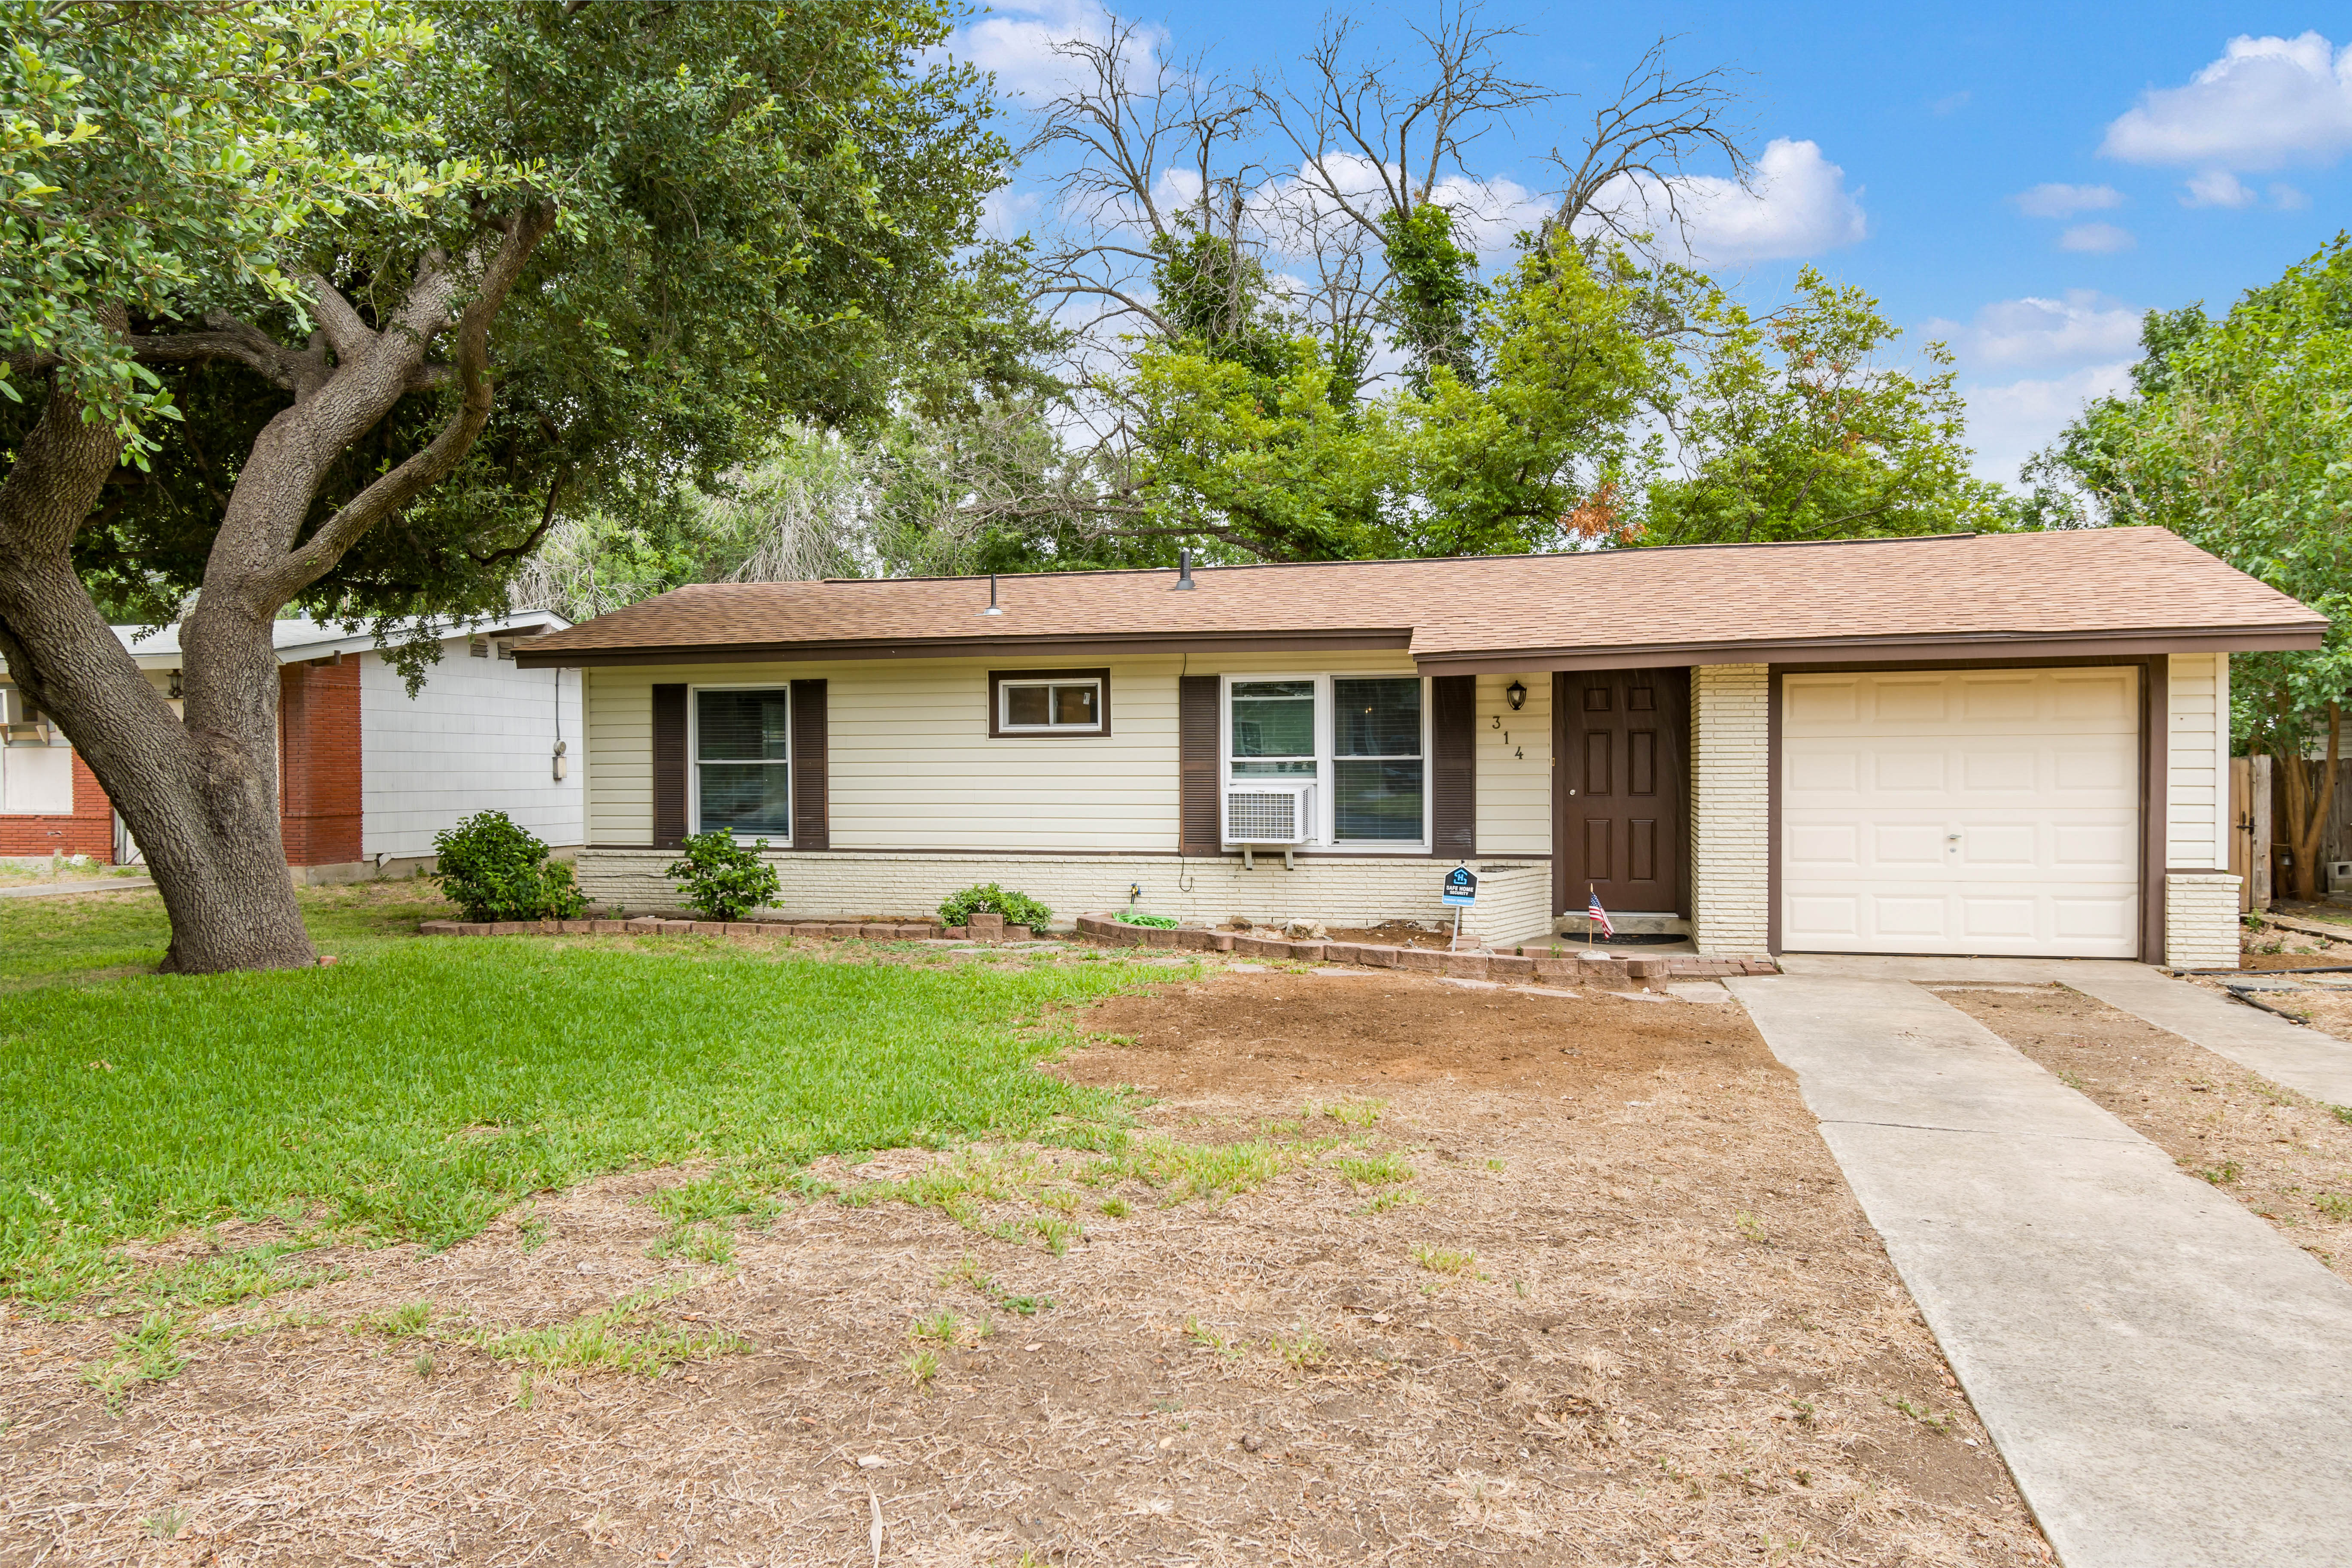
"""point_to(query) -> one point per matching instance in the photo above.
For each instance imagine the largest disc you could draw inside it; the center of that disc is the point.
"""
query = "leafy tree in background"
(2237, 434)
(331, 303)
(1792, 426)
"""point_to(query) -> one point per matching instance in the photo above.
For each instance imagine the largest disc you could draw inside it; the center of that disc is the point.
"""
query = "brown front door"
(1620, 750)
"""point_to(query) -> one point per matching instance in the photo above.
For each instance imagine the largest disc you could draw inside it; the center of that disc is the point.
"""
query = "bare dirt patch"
(1534, 1278)
(2281, 1155)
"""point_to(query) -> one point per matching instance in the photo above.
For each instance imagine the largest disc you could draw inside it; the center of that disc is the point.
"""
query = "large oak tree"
(331, 303)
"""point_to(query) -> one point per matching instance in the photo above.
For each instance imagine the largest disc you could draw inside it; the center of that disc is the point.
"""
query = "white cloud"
(2266, 101)
(1798, 206)
(1018, 42)
(2009, 424)
(2065, 201)
(2217, 188)
(1950, 103)
(2096, 239)
(2084, 325)
(2286, 198)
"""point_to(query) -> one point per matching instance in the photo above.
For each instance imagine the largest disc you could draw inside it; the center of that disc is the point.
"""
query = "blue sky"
(2021, 180)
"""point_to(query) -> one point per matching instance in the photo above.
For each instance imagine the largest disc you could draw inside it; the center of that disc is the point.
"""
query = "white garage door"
(1991, 811)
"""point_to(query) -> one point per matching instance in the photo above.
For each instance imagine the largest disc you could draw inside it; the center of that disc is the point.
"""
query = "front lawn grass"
(419, 1086)
(60, 940)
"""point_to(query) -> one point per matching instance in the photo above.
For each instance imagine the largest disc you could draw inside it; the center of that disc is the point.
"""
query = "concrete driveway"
(2170, 1379)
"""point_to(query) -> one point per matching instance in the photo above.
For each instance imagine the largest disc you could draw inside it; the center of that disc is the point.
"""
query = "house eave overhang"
(997, 646)
(1957, 648)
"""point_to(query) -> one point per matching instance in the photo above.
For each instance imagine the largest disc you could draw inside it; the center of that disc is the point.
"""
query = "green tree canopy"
(2237, 435)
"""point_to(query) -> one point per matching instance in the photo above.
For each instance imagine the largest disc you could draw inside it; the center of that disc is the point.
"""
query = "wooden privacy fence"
(2252, 842)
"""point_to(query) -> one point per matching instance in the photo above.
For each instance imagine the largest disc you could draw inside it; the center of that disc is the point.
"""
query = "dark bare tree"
(1629, 178)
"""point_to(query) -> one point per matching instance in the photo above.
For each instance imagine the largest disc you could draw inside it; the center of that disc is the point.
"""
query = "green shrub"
(495, 871)
(1157, 922)
(722, 880)
(1018, 909)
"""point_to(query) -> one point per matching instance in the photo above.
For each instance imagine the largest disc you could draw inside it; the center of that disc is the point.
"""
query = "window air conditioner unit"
(1269, 813)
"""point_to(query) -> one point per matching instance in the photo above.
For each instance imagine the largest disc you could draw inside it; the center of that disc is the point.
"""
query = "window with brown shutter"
(1197, 765)
(669, 765)
(1454, 777)
(811, 829)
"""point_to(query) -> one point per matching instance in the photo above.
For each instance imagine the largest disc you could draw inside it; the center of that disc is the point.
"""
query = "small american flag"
(1598, 916)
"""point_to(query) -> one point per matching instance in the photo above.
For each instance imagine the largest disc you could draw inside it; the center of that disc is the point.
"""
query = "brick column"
(318, 763)
(1730, 820)
(2201, 919)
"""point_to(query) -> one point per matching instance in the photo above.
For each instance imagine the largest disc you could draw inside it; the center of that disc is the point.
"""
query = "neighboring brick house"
(2009, 743)
(366, 774)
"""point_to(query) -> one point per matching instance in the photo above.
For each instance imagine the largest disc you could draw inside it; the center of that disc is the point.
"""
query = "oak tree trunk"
(200, 789)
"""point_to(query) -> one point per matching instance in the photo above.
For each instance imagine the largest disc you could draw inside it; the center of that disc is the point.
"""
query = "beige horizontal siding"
(2196, 741)
(620, 776)
(912, 765)
(1514, 753)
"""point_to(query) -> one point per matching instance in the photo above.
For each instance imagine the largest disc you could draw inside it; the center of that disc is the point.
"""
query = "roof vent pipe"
(1184, 570)
(992, 609)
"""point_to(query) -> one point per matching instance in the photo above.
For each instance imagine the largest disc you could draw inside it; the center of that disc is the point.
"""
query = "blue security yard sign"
(1461, 887)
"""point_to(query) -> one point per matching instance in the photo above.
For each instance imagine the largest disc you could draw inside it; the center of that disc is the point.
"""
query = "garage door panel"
(1901, 701)
(1830, 920)
(1961, 811)
(1907, 918)
(2112, 917)
(1909, 772)
(2108, 695)
(1986, 919)
(1824, 772)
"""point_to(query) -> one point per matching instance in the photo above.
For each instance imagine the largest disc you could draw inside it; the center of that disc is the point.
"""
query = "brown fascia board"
(1488, 661)
(1116, 643)
(1959, 646)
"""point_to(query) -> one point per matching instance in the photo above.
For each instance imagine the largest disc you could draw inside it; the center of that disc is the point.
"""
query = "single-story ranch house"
(2013, 743)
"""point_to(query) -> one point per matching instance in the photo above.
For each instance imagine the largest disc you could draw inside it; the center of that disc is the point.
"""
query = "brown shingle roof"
(2103, 588)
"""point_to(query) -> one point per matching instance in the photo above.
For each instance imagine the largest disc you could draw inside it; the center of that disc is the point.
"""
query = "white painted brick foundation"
(1366, 892)
(1514, 905)
(1730, 830)
(2201, 919)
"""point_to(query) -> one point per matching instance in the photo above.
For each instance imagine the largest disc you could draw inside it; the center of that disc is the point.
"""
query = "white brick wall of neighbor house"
(1730, 831)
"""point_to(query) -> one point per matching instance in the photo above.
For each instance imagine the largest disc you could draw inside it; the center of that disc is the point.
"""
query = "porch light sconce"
(1518, 695)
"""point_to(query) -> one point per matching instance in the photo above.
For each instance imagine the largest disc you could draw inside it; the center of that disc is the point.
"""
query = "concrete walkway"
(59, 890)
(2306, 1060)
(2170, 1379)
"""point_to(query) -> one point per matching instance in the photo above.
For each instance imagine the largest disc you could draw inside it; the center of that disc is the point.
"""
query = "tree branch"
(317, 555)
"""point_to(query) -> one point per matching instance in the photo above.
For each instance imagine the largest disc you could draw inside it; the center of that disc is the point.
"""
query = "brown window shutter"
(669, 766)
(1196, 765)
(810, 828)
(1454, 777)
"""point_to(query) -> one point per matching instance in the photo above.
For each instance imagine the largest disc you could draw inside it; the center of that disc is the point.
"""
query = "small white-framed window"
(1049, 702)
(1361, 740)
(740, 744)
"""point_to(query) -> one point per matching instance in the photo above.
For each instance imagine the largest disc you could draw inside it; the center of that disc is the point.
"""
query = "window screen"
(742, 759)
(1273, 728)
(1050, 705)
(1376, 760)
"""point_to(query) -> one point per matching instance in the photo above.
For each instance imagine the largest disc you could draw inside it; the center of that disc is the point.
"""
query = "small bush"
(1157, 922)
(1018, 909)
(722, 880)
(493, 871)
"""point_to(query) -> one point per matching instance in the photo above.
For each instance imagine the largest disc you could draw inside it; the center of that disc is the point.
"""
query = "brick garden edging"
(1530, 962)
